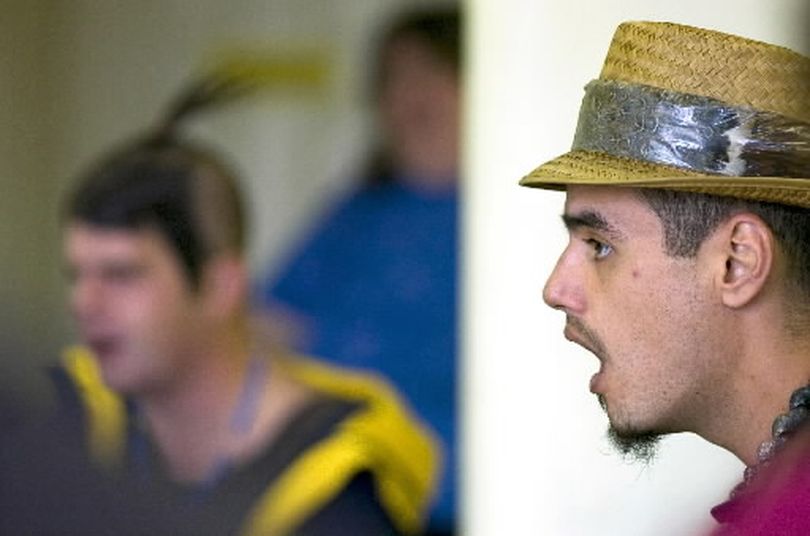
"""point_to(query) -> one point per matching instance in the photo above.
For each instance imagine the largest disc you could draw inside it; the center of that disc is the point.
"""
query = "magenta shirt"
(776, 503)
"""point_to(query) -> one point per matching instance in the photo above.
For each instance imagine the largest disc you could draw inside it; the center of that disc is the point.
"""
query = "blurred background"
(80, 76)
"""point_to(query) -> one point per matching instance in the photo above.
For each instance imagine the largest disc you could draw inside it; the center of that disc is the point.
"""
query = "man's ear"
(746, 248)
(225, 285)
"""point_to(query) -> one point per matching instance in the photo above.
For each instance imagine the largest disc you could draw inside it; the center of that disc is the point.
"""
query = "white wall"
(537, 460)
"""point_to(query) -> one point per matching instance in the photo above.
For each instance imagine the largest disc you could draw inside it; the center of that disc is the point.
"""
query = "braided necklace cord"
(782, 429)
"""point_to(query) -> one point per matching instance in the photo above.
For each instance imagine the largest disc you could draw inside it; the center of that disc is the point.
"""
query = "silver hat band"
(690, 132)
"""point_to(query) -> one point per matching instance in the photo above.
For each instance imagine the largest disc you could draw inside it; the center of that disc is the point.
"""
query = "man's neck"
(765, 373)
(189, 420)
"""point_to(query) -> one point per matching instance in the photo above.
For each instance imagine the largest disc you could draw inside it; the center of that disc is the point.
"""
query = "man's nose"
(563, 289)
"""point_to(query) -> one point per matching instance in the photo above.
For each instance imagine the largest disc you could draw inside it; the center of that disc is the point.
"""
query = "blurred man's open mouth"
(103, 347)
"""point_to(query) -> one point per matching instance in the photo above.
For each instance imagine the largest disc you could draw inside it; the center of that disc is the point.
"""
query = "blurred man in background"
(171, 419)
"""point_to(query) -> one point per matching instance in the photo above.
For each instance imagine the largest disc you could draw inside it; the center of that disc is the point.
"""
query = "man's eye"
(600, 249)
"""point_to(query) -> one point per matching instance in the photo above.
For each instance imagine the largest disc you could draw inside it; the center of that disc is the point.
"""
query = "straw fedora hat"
(685, 108)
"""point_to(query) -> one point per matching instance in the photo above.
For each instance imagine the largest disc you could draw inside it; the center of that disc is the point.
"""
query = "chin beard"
(633, 445)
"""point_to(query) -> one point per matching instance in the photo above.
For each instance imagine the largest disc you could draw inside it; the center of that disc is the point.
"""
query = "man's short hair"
(182, 191)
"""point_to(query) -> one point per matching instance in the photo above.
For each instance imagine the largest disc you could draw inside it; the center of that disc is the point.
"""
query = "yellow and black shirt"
(352, 462)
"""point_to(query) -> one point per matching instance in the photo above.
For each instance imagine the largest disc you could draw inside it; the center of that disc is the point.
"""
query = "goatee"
(633, 445)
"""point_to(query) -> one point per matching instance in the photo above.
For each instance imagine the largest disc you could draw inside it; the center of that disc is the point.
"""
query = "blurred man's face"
(132, 305)
(419, 109)
(644, 314)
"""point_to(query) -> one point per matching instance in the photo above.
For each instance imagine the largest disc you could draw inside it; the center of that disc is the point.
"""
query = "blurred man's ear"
(224, 286)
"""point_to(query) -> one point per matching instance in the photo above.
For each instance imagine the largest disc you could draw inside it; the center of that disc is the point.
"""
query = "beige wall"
(29, 294)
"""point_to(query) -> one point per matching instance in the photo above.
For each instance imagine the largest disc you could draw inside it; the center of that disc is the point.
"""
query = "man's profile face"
(642, 313)
(132, 305)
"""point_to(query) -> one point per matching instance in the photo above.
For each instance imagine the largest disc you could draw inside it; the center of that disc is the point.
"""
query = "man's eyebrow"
(591, 220)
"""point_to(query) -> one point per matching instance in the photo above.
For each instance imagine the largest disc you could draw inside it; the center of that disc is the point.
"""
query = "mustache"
(589, 338)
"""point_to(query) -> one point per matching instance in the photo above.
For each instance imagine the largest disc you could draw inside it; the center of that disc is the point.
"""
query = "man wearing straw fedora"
(687, 272)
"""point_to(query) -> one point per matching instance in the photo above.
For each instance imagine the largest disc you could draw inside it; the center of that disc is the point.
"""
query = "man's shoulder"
(371, 432)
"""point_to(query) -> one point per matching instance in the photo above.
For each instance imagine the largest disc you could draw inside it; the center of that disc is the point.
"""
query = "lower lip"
(595, 380)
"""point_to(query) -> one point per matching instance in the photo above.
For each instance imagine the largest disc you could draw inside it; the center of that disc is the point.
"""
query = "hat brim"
(600, 169)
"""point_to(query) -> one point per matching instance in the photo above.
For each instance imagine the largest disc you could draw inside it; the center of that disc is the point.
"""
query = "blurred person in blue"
(374, 284)
(170, 396)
